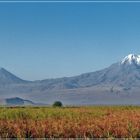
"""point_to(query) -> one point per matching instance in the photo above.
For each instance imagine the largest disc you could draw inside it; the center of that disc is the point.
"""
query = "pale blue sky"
(48, 40)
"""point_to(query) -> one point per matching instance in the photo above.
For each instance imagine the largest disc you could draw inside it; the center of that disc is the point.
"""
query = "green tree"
(57, 104)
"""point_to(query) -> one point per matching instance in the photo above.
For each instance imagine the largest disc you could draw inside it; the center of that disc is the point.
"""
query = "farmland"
(70, 122)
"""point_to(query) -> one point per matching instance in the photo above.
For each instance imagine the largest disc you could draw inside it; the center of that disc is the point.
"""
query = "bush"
(57, 104)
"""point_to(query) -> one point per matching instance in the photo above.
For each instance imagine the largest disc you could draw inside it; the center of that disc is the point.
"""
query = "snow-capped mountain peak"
(131, 59)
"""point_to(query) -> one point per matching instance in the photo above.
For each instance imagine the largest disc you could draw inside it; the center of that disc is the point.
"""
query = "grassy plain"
(70, 122)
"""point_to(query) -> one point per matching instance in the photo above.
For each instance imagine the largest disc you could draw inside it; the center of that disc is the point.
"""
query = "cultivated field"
(70, 122)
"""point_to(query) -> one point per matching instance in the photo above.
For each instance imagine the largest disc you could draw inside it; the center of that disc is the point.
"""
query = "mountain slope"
(117, 84)
(8, 78)
(125, 73)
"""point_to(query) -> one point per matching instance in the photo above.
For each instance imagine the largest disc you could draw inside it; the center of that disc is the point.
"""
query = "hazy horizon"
(50, 40)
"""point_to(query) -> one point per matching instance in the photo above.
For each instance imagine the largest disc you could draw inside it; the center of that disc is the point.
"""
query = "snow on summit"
(131, 59)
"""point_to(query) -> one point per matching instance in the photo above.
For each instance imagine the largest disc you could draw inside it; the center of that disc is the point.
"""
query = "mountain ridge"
(118, 83)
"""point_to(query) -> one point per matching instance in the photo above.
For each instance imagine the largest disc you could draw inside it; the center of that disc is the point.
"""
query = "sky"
(50, 40)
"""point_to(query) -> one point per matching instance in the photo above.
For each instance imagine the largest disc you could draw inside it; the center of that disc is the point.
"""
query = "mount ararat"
(117, 84)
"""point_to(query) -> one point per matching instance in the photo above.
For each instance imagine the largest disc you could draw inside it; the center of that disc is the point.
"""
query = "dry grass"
(80, 122)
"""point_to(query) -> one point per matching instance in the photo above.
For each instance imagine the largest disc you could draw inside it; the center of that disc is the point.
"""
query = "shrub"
(57, 104)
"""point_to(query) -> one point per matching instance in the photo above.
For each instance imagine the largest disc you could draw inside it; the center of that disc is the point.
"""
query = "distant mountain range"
(117, 84)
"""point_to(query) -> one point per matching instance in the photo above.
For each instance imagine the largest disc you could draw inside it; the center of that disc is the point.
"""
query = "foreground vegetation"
(70, 122)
